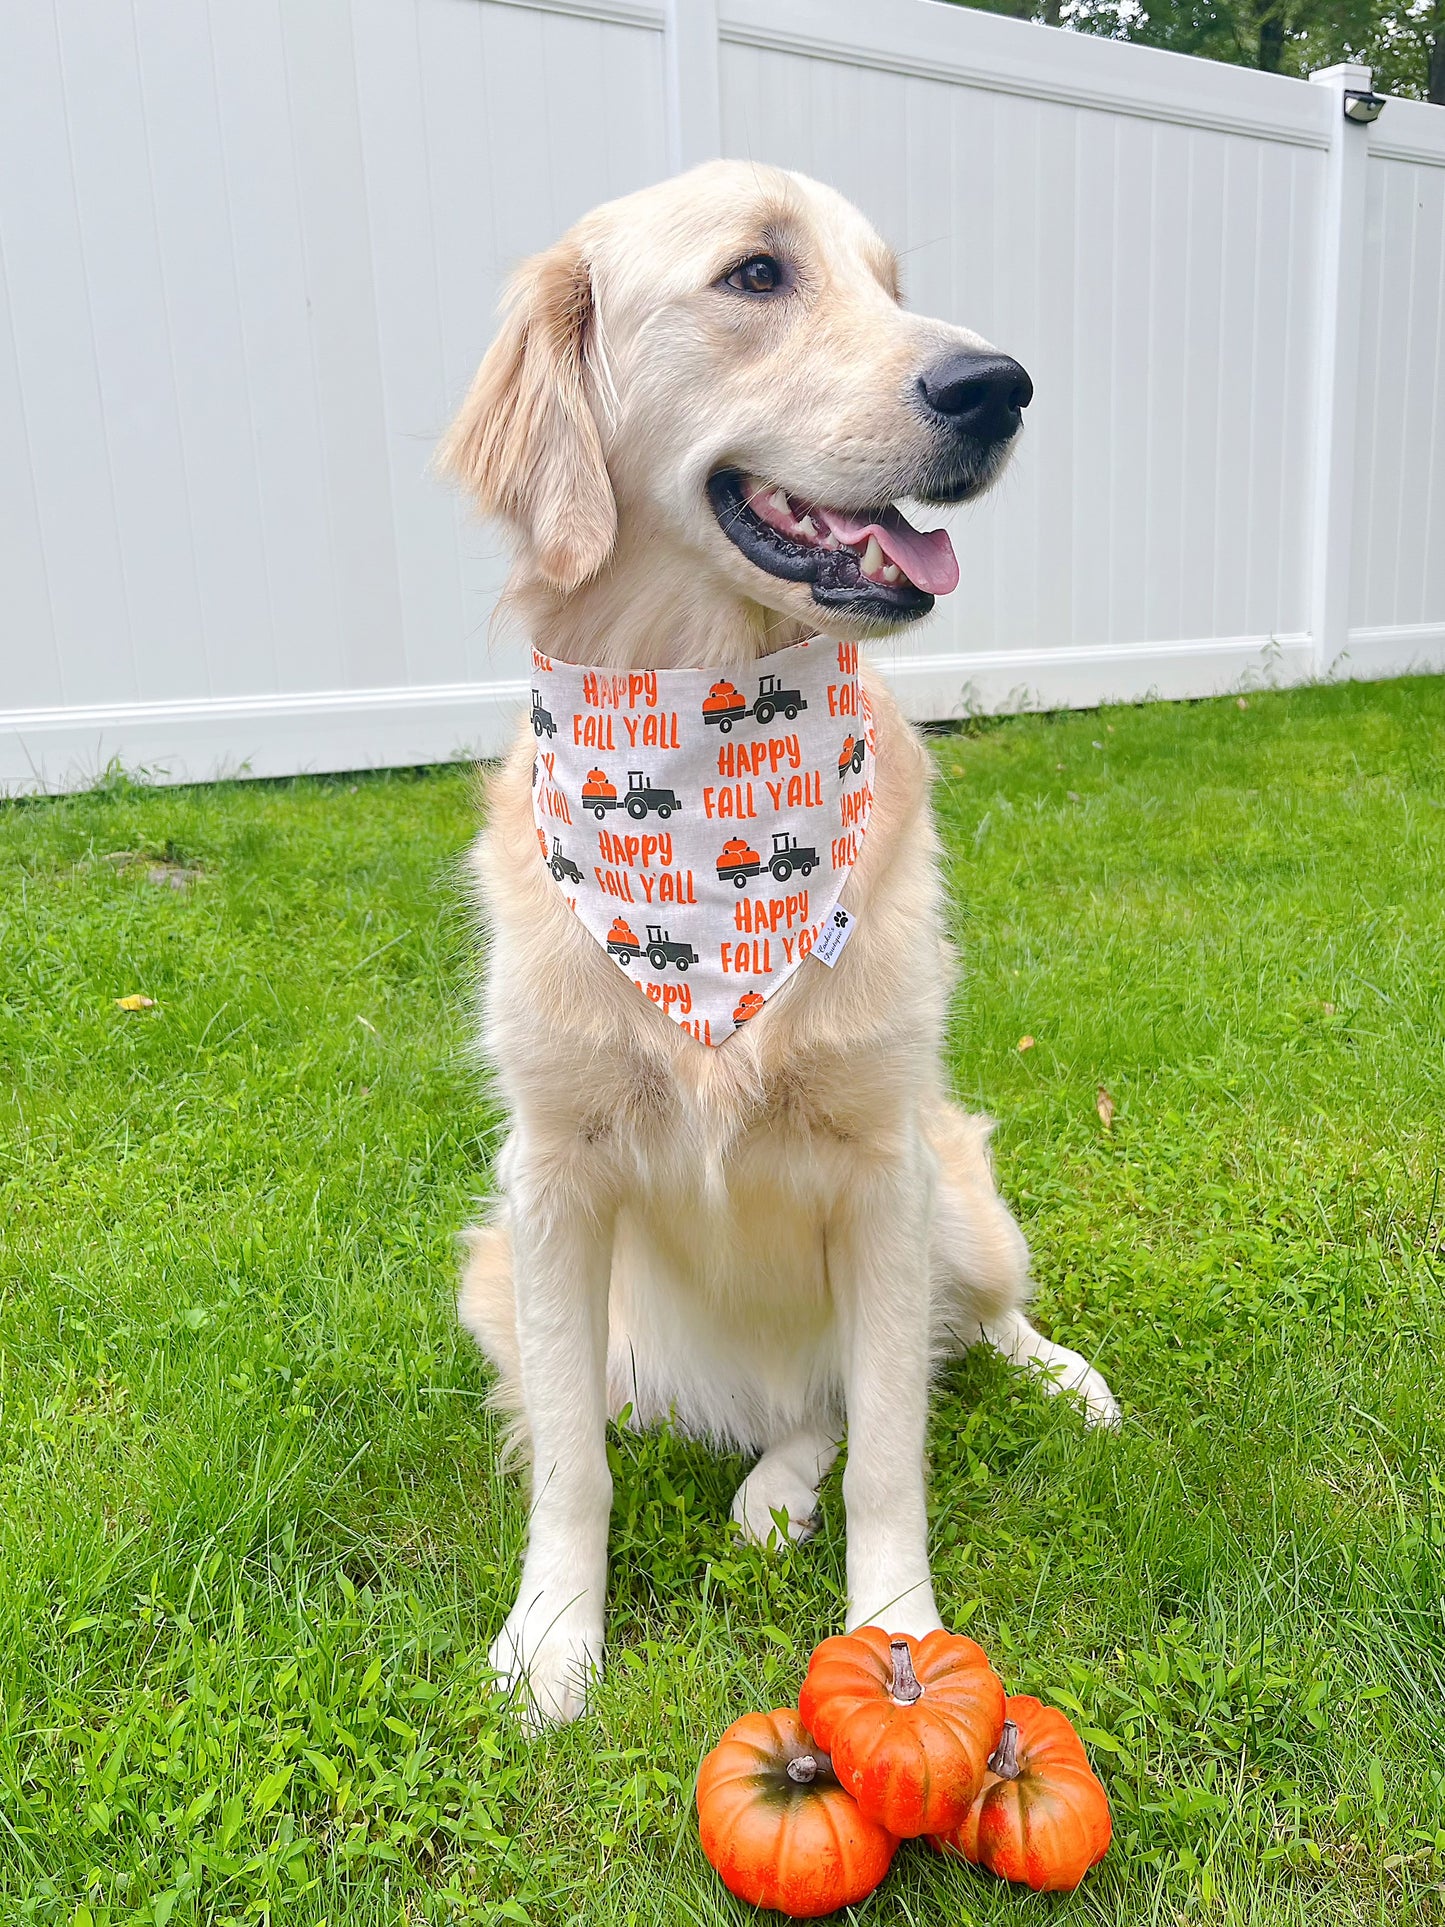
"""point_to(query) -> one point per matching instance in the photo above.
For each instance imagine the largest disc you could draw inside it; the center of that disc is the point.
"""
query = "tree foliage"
(1402, 40)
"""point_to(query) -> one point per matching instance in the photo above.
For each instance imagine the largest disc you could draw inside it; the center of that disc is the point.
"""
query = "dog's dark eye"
(763, 274)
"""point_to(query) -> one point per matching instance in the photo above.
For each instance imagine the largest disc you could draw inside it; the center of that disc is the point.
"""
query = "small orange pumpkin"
(909, 1723)
(777, 1825)
(1041, 1817)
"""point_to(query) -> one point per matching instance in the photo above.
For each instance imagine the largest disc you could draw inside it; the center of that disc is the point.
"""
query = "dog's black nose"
(979, 395)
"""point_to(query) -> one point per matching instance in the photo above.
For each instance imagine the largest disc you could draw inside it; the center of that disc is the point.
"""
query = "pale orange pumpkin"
(778, 1827)
(909, 1723)
(1041, 1817)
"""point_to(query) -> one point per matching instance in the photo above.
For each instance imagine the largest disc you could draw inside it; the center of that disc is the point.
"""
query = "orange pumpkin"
(1041, 1817)
(779, 1828)
(909, 1723)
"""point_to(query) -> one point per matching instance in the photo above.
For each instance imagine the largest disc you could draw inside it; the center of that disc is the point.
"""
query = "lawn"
(255, 1539)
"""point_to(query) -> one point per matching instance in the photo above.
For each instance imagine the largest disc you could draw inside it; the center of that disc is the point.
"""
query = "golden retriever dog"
(781, 1237)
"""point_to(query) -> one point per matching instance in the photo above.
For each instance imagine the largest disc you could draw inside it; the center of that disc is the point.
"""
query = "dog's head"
(718, 369)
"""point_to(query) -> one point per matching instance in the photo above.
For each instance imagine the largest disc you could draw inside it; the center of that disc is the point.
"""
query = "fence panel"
(1397, 582)
(1157, 278)
(250, 257)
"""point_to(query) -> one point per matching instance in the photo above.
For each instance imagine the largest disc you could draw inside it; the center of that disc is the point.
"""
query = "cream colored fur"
(780, 1238)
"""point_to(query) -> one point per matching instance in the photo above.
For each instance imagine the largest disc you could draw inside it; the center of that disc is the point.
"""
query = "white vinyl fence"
(249, 257)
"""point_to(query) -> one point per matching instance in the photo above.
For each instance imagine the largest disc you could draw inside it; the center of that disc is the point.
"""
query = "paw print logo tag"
(836, 931)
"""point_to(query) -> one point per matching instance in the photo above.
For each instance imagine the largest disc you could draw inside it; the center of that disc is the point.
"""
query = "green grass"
(254, 1539)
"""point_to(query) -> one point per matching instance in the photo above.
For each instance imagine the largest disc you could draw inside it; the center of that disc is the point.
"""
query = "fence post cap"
(1345, 76)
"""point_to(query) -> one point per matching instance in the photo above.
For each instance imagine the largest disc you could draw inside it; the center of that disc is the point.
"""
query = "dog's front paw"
(773, 1495)
(545, 1658)
(1066, 1371)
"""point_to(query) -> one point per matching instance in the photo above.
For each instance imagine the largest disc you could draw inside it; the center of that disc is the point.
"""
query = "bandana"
(702, 824)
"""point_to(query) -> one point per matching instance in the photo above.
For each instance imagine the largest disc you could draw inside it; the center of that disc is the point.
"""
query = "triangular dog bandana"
(702, 823)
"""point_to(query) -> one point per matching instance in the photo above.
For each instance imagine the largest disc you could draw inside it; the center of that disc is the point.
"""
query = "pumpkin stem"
(1004, 1760)
(906, 1688)
(803, 1769)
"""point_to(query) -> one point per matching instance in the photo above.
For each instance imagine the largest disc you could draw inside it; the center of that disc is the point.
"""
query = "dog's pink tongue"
(925, 555)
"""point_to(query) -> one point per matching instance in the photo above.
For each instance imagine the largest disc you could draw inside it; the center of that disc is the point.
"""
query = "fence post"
(694, 115)
(1337, 377)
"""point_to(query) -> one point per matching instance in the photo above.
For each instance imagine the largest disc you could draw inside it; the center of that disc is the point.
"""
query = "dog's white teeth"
(872, 557)
(779, 501)
(830, 541)
(892, 574)
(808, 528)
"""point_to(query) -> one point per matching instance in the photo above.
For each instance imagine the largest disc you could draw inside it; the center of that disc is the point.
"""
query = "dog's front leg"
(551, 1644)
(878, 1269)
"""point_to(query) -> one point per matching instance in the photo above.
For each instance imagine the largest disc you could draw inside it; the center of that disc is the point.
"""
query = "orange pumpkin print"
(721, 698)
(622, 940)
(597, 784)
(737, 861)
(749, 1004)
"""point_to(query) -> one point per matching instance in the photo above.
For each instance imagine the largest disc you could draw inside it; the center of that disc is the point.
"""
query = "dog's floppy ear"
(526, 442)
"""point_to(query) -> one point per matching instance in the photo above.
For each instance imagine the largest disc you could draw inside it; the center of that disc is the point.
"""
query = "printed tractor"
(789, 855)
(642, 797)
(738, 862)
(622, 941)
(851, 756)
(662, 951)
(725, 705)
(772, 697)
(562, 866)
(600, 797)
(542, 724)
